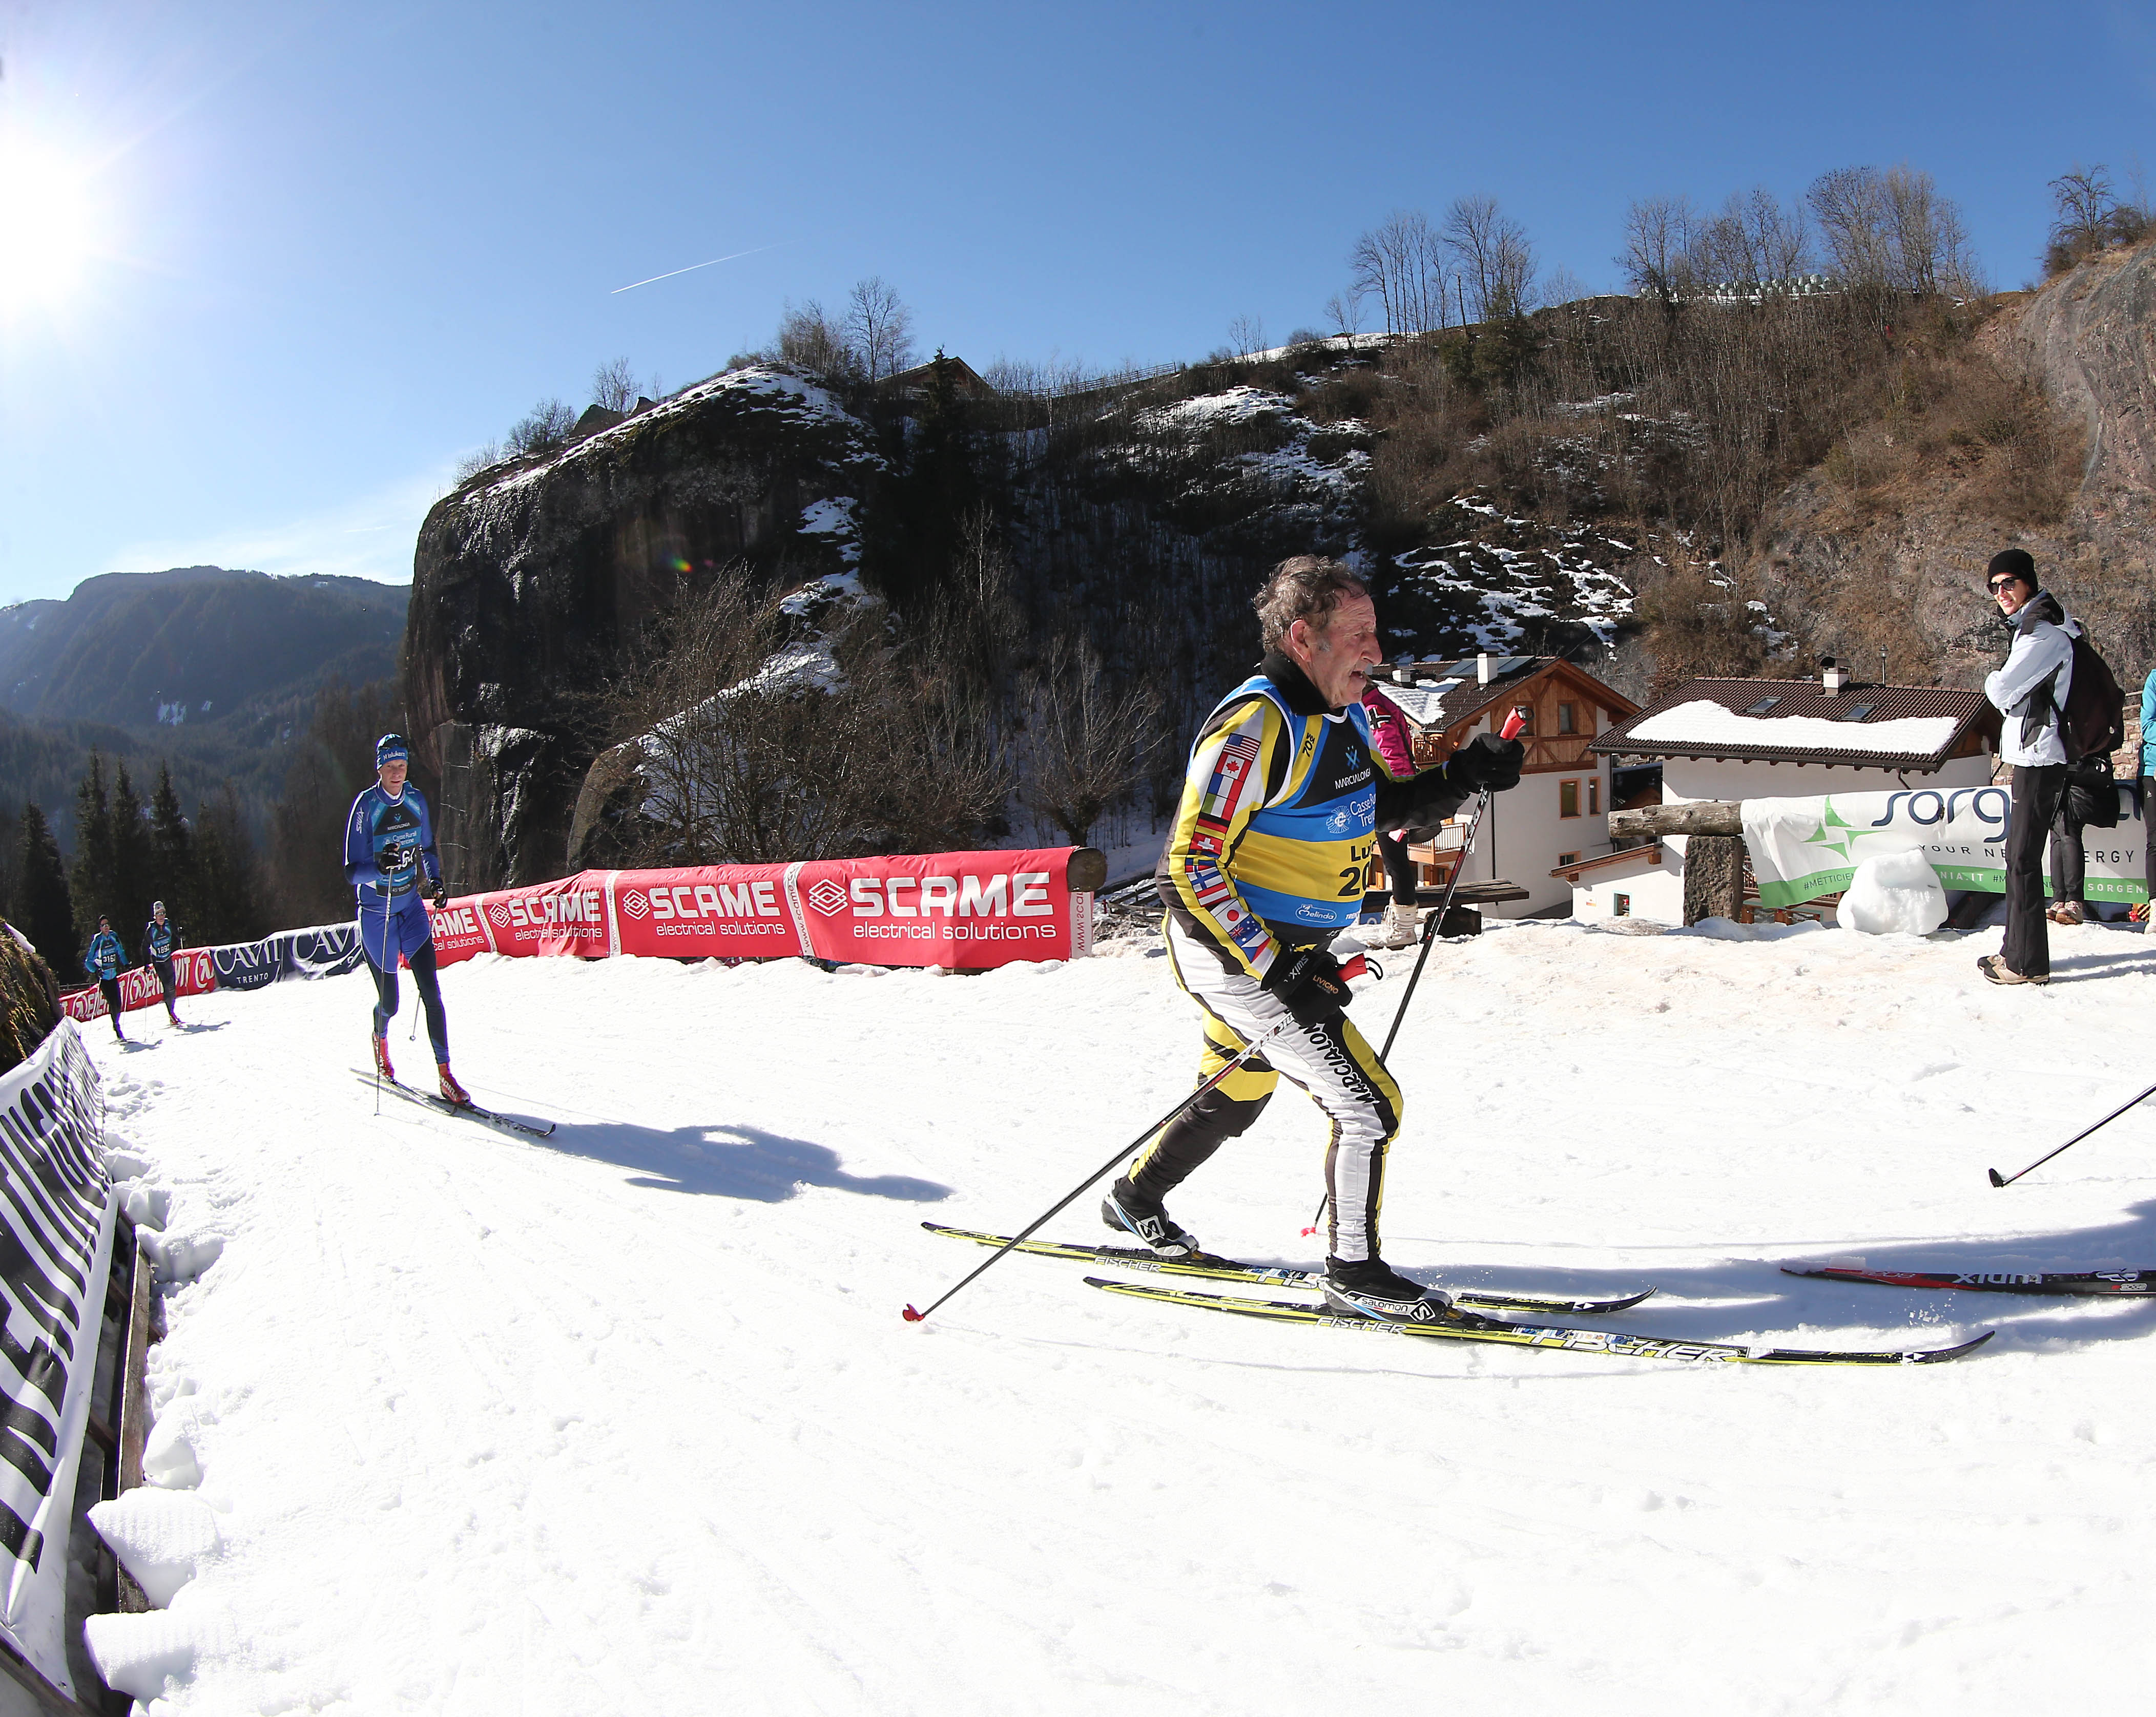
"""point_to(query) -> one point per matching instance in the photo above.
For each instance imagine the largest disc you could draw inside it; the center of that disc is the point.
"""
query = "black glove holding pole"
(1489, 762)
(1486, 763)
(1312, 983)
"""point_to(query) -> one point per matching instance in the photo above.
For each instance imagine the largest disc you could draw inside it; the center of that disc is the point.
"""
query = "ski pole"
(1999, 1179)
(1243, 1055)
(1513, 723)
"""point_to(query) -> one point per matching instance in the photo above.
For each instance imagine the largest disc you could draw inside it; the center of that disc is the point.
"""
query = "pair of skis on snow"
(466, 1111)
(1475, 1326)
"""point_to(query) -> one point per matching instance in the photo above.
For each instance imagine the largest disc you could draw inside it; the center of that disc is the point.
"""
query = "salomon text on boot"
(1130, 1211)
(1370, 1288)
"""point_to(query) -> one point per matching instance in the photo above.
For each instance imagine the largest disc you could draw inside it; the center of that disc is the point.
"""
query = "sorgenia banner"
(1803, 848)
(960, 910)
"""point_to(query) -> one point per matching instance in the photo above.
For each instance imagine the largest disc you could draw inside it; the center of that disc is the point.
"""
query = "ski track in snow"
(627, 1419)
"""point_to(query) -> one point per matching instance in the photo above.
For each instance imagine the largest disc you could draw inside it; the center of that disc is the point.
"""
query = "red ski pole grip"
(1513, 723)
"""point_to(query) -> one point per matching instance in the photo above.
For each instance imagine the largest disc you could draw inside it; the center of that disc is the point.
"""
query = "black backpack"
(2091, 724)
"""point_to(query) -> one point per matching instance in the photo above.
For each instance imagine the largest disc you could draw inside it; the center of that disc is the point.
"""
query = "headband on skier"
(156, 907)
(390, 748)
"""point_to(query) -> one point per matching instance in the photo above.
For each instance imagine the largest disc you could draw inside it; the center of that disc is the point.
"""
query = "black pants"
(163, 968)
(1400, 868)
(429, 987)
(109, 989)
(2148, 849)
(2028, 947)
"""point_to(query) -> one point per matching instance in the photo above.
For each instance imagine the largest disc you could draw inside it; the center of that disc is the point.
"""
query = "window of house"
(1594, 797)
(1565, 859)
(1568, 798)
(1621, 906)
(1568, 718)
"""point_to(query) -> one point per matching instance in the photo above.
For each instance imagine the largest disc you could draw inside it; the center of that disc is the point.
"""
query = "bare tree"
(742, 739)
(1893, 230)
(1658, 249)
(1401, 264)
(1497, 262)
(478, 459)
(1562, 286)
(810, 339)
(1091, 741)
(1344, 310)
(879, 329)
(1754, 241)
(1247, 335)
(541, 429)
(2089, 215)
(614, 386)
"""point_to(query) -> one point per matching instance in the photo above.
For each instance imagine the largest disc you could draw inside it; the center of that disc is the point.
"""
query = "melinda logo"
(828, 897)
(635, 904)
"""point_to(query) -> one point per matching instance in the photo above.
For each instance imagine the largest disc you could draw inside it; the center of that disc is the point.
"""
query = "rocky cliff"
(2041, 435)
(532, 578)
(1144, 517)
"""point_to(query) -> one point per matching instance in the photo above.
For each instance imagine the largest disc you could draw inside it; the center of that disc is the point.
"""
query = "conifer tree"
(44, 911)
(94, 878)
(172, 854)
(133, 863)
(228, 883)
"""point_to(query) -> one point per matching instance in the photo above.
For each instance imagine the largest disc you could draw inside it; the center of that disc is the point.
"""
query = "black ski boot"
(1373, 1289)
(1130, 1212)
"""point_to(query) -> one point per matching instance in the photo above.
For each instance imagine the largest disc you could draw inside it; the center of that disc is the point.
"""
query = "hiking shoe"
(381, 1060)
(1373, 1289)
(1403, 924)
(1995, 967)
(452, 1092)
(1130, 1211)
(2066, 912)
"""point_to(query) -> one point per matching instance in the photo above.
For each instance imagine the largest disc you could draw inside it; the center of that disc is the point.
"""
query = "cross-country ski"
(2070, 1284)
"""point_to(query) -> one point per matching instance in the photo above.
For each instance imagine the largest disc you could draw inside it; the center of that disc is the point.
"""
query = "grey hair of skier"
(1281, 800)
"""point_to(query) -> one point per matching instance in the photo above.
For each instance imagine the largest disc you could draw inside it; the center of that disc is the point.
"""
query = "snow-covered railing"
(56, 1226)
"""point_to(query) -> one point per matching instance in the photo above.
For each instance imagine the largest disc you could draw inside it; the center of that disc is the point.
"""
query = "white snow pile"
(1893, 894)
(1704, 722)
(627, 1420)
(1313, 474)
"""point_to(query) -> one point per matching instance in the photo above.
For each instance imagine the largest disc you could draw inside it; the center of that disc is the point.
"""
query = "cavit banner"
(954, 910)
(56, 1219)
(323, 951)
(1803, 848)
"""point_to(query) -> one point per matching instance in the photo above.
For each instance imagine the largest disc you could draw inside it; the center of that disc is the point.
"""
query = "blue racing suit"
(388, 848)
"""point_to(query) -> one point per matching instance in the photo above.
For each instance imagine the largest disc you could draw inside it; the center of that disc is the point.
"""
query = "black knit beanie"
(2012, 562)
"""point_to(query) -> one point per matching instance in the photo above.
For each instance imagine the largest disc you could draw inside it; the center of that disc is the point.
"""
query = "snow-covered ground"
(627, 1420)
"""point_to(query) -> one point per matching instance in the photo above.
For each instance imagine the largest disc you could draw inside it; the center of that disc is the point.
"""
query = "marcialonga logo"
(828, 897)
(634, 902)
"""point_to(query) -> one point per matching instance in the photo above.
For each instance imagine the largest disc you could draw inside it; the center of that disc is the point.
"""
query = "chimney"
(1403, 675)
(1832, 678)
(1483, 669)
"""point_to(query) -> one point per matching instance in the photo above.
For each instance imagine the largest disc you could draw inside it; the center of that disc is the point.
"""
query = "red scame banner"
(194, 974)
(959, 911)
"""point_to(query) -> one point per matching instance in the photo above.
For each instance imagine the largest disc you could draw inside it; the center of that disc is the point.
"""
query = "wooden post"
(1713, 877)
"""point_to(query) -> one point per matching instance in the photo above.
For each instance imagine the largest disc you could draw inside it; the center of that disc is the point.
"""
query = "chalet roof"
(922, 377)
(1444, 694)
(1914, 727)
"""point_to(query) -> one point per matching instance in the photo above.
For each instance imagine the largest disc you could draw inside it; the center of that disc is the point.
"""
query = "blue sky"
(310, 254)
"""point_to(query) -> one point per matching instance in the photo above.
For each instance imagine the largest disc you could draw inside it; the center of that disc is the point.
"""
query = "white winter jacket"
(2042, 647)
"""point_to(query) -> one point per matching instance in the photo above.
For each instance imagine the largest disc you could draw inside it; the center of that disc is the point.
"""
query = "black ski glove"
(391, 858)
(1313, 984)
(440, 895)
(1487, 761)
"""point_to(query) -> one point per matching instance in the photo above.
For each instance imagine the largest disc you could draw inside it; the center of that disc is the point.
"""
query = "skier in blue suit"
(103, 961)
(161, 936)
(389, 858)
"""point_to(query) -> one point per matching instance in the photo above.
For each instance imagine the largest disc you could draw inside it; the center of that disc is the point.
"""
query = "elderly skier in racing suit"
(1281, 801)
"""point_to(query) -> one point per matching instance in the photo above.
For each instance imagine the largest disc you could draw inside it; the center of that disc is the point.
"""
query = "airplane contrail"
(693, 267)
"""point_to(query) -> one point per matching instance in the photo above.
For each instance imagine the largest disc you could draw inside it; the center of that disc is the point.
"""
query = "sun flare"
(46, 236)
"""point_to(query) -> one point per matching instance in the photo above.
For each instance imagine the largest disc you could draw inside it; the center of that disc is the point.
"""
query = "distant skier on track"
(159, 938)
(104, 959)
(1281, 802)
(389, 850)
